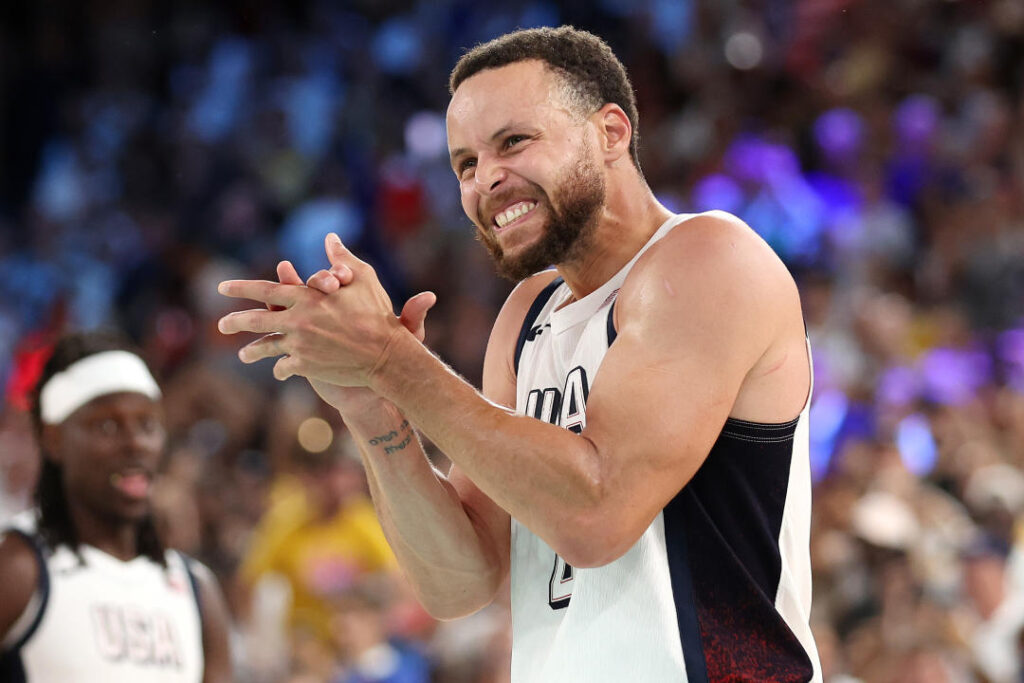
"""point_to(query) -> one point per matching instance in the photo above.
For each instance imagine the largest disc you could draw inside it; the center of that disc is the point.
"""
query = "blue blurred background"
(151, 149)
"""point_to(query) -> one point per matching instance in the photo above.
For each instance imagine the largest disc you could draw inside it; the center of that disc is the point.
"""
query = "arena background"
(151, 149)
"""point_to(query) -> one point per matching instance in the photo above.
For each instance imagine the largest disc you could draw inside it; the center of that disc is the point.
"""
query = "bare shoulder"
(712, 248)
(714, 284)
(19, 576)
(713, 263)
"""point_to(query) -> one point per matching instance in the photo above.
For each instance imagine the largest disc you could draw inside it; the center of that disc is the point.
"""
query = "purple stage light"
(916, 120)
(717, 191)
(839, 134)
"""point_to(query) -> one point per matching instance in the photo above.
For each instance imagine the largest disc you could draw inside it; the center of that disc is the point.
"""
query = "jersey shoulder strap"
(525, 332)
(188, 564)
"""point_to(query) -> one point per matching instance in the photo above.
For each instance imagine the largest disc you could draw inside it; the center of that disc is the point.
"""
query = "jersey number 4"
(560, 586)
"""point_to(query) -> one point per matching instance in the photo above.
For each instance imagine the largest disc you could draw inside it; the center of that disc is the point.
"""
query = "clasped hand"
(337, 330)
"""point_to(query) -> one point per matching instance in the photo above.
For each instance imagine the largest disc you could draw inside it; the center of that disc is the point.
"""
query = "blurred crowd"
(149, 150)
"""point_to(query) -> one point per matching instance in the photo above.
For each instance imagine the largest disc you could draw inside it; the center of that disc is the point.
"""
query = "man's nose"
(141, 437)
(490, 174)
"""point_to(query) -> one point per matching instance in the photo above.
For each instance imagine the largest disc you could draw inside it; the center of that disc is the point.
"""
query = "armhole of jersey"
(531, 316)
(612, 332)
(193, 582)
(29, 621)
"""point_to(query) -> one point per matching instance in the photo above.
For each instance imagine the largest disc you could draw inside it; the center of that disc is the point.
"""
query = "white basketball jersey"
(108, 621)
(717, 588)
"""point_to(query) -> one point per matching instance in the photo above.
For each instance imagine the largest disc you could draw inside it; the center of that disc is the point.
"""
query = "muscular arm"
(19, 575)
(453, 551)
(696, 317)
(709, 326)
(450, 538)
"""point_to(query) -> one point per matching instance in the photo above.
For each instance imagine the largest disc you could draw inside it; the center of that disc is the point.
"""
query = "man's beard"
(580, 195)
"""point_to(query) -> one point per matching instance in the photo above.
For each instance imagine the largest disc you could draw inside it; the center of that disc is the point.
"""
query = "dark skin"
(106, 443)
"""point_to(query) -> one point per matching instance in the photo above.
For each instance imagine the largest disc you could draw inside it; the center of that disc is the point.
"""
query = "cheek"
(85, 471)
(470, 201)
(156, 441)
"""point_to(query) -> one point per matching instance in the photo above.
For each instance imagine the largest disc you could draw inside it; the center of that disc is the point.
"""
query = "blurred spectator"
(367, 655)
(321, 535)
(996, 607)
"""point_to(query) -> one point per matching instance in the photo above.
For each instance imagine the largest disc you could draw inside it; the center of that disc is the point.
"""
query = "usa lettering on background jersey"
(99, 618)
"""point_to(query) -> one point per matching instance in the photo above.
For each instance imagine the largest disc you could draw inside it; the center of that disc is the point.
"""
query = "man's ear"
(614, 131)
(50, 439)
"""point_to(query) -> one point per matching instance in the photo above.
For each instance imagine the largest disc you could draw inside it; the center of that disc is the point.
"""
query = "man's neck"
(117, 538)
(629, 219)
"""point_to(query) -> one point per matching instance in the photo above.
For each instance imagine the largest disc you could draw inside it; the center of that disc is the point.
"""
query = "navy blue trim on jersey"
(612, 333)
(682, 592)
(730, 515)
(43, 589)
(193, 581)
(527, 332)
(11, 667)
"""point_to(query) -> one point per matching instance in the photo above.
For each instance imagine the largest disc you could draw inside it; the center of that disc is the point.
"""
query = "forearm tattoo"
(388, 437)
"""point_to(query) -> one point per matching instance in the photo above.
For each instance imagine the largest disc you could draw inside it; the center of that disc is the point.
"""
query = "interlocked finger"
(324, 281)
(264, 291)
(253, 320)
(285, 367)
(270, 346)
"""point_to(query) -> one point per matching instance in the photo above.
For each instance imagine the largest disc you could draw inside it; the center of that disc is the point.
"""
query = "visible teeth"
(506, 217)
(116, 477)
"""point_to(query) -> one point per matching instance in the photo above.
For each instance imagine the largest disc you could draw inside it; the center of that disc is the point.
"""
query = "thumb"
(287, 275)
(337, 253)
(414, 313)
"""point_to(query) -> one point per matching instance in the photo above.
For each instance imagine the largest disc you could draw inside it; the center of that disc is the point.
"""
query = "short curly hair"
(593, 75)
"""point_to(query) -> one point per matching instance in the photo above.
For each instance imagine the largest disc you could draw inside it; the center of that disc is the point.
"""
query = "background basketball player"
(87, 591)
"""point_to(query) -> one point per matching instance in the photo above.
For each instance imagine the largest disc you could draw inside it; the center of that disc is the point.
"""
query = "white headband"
(109, 372)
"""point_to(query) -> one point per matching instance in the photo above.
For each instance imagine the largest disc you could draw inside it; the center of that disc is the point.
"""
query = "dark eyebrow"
(456, 153)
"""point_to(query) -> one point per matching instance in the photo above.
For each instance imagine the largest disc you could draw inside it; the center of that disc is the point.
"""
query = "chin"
(133, 512)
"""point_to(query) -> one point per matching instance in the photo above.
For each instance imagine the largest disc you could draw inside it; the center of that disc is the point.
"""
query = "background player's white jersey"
(106, 620)
(717, 588)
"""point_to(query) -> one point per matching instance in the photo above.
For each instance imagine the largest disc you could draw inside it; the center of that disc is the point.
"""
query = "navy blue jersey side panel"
(730, 514)
(612, 333)
(527, 332)
(682, 591)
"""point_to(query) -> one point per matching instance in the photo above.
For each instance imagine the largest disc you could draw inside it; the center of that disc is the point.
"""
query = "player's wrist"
(399, 345)
(356, 403)
(370, 411)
